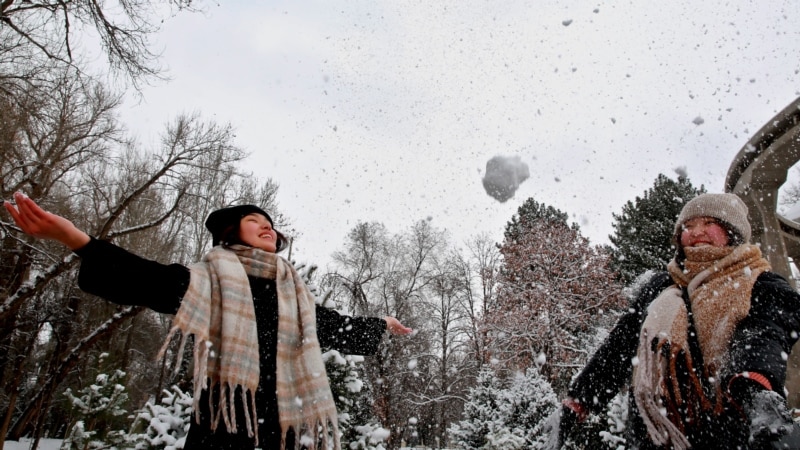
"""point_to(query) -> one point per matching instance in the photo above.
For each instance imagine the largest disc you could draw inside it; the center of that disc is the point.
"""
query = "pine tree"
(359, 427)
(555, 289)
(532, 211)
(506, 414)
(480, 412)
(525, 406)
(164, 425)
(616, 421)
(644, 230)
(100, 409)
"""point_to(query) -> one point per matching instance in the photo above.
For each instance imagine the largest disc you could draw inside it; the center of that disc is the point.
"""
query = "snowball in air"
(503, 176)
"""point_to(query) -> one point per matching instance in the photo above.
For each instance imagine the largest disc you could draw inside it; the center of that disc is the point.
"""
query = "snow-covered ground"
(25, 444)
(55, 444)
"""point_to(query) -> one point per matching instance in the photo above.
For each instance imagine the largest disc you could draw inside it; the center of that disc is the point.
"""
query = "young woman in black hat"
(259, 378)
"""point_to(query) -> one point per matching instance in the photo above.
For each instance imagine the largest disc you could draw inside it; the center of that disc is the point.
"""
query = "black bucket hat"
(220, 220)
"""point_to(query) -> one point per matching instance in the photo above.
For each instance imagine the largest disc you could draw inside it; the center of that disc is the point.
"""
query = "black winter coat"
(119, 276)
(760, 344)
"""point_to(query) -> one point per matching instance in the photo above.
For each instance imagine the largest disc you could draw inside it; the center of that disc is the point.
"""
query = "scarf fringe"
(226, 409)
(650, 385)
(199, 381)
(326, 428)
(661, 392)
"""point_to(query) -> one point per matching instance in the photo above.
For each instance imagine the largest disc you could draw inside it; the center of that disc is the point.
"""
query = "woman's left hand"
(395, 327)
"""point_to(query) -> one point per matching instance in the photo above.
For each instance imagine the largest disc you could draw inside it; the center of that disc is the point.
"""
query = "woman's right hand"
(35, 221)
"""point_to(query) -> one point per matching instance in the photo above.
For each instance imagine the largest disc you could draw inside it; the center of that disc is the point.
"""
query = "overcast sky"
(389, 110)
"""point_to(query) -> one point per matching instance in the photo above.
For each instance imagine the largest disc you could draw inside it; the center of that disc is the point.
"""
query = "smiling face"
(703, 231)
(256, 231)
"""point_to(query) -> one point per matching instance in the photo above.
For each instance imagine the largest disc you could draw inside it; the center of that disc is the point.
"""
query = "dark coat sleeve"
(122, 277)
(763, 340)
(349, 335)
(611, 365)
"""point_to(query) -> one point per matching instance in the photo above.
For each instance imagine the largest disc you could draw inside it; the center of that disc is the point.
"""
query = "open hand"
(395, 327)
(35, 221)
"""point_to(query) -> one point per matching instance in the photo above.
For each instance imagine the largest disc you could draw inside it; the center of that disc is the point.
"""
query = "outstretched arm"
(611, 365)
(35, 221)
(764, 338)
(395, 327)
(354, 335)
(107, 271)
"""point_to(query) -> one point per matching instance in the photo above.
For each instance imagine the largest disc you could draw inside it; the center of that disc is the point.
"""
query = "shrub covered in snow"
(617, 419)
(164, 425)
(360, 430)
(98, 409)
(479, 413)
(506, 414)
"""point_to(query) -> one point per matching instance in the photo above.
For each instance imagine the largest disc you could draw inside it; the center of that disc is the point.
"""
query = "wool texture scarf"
(218, 310)
(719, 281)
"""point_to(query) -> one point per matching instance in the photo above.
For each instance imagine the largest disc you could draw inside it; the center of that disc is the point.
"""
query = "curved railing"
(756, 174)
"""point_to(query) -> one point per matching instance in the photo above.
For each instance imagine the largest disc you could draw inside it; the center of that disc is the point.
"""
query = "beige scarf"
(218, 310)
(719, 281)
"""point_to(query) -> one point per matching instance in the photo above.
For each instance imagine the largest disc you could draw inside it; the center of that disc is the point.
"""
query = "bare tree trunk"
(12, 401)
(126, 350)
(16, 354)
(161, 375)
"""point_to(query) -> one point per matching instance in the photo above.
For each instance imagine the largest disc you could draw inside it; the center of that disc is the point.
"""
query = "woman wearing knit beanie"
(259, 378)
(703, 346)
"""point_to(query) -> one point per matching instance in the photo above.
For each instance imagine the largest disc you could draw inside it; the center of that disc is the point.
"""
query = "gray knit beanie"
(727, 208)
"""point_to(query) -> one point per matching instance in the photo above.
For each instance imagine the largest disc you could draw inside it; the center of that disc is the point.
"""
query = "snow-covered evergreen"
(617, 419)
(163, 425)
(480, 412)
(508, 414)
(96, 407)
(360, 429)
(78, 437)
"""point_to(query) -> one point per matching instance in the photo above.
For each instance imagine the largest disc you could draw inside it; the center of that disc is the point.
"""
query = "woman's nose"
(696, 231)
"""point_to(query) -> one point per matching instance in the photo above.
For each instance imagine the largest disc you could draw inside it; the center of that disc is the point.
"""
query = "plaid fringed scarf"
(218, 310)
(719, 281)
